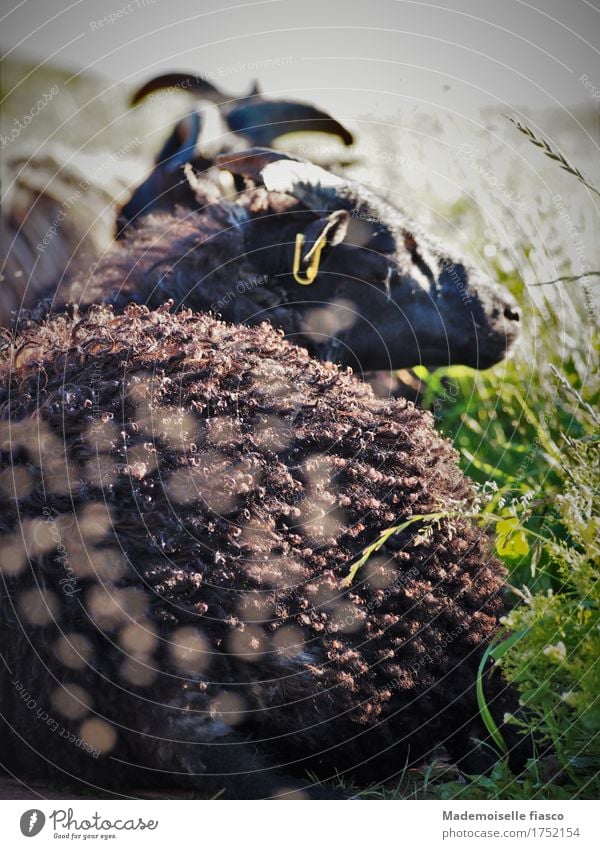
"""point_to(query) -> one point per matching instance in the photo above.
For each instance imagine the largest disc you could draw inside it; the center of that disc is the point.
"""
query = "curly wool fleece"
(186, 501)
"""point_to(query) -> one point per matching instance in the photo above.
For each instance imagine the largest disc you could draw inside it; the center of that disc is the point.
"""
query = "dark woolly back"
(216, 478)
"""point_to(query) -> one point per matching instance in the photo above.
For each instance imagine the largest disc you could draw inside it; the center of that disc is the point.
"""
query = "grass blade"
(549, 151)
(495, 652)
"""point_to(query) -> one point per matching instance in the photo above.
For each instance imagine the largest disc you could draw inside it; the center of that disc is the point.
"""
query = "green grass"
(527, 432)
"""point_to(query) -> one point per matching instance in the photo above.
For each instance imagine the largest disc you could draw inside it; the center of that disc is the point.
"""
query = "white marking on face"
(282, 175)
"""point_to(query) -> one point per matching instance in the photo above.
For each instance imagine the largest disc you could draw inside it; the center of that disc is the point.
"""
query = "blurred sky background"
(366, 55)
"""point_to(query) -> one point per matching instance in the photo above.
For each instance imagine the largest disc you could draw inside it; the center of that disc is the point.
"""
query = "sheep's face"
(382, 298)
(390, 313)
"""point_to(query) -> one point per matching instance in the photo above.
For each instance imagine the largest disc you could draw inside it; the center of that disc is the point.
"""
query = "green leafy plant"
(557, 665)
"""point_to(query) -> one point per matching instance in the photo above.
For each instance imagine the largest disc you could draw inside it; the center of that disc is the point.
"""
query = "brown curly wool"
(184, 501)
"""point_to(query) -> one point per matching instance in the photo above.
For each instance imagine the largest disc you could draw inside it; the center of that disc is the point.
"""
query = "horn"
(262, 121)
(259, 120)
(191, 83)
(313, 186)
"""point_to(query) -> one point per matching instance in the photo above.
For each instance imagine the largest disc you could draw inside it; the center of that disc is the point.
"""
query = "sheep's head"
(381, 298)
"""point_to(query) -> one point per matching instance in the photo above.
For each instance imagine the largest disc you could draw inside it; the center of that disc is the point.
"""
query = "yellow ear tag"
(313, 268)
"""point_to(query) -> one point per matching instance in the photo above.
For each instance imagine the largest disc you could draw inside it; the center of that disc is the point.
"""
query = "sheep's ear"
(181, 145)
(301, 251)
(329, 231)
(166, 175)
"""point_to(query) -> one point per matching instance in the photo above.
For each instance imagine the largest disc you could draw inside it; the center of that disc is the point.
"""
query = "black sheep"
(184, 502)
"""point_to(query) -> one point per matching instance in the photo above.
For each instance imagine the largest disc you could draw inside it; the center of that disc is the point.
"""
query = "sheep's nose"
(512, 313)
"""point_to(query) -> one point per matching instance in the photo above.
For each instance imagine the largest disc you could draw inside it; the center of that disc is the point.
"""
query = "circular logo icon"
(32, 822)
